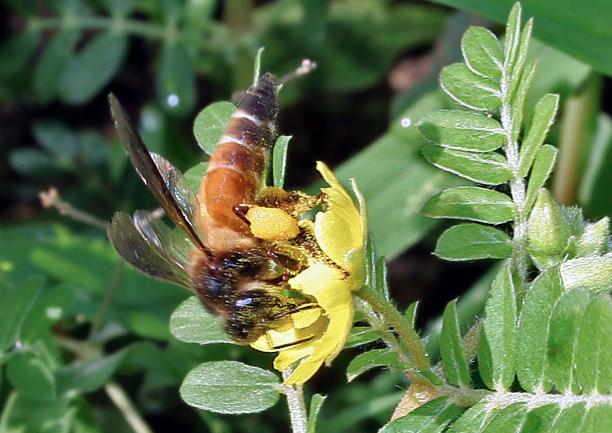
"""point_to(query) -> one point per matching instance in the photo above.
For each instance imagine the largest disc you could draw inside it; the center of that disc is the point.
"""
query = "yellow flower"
(340, 233)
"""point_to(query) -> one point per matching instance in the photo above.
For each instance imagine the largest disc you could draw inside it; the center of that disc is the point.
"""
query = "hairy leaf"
(542, 167)
(534, 330)
(496, 357)
(470, 90)
(191, 323)
(473, 242)
(455, 364)
(230, 387)
(482, 52)
(472, 203)
(316, 403)
(593, 361)
(543, 117)
(432, 417)
(565, 323)
(462, 130)
(486, 168)
(371, 359)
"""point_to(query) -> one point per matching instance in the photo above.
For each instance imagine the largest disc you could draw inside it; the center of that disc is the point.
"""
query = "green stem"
(118, 24)
(295, 402)
(407, 336)
(517, 183)
(579, 115)
(109, 294)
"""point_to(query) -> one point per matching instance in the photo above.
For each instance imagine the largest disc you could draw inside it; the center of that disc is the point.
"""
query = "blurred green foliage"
(75, 321)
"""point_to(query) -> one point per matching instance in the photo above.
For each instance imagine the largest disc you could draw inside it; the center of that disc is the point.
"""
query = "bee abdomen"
(237, 164)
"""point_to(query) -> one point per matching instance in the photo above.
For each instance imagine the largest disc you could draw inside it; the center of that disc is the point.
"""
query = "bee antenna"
(305, 67)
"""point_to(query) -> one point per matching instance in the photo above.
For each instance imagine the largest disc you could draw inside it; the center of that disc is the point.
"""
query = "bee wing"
(143, 245)
(164, 181)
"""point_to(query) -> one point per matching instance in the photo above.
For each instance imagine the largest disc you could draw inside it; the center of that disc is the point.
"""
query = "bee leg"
(295, 203)
(293, 343)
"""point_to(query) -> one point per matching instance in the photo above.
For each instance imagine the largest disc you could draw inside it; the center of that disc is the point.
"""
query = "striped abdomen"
(236, 166)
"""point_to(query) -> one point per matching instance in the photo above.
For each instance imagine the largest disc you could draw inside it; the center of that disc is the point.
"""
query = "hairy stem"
(517, 183)
(296, 405)
(407, 336)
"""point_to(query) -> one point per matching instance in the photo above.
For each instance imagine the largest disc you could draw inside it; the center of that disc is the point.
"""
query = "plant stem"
(295, 402)
(52, 198)
(109, 293)
(517, 183)
(579, 114)
(407, 336)
(125, 405)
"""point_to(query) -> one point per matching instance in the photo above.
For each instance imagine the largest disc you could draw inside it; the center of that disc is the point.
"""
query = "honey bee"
(235, 275)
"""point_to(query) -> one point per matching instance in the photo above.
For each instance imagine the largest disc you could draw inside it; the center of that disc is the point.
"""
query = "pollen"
(272, 224)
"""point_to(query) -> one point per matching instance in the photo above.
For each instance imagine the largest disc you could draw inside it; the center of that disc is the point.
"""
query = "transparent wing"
(164, 181)
(143, 245)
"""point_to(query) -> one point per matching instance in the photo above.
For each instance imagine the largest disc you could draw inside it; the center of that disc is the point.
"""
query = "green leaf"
(592, 273)
(17, 51)
(593, 361)
(518, 67)
(49, 67)
(482, 52)
(473, 242)
(582, 30)
(51, 306)
(594, 239)
(462, 130)
(454, 362)
(361, 335)
(486, 168)
(472, 420)
(176, 80)
(210, 124)
(565, 323)
(543, 117)
(193, 177)
(411, 312)
(119, 7)
(371, 359)
(32, 162)
(230, 387)
(31, 376)
(191, 323)
(316, 402)
(512, 37)
(279, 160)
(534, 331)
(57, 139)
(471, 203)
(88, 376)
(542, 167)
(16, 303)
(432, 417)
(496, 357)
(22, 415)
(470, 90)
(92, 68)
(523, 87)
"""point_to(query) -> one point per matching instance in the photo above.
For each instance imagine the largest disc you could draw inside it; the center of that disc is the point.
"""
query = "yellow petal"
(272, 224)
(340, 229)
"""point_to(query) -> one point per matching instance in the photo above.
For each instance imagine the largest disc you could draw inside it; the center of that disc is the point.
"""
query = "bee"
(239, 277)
